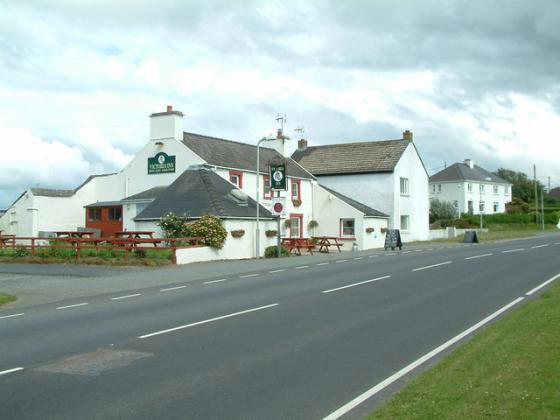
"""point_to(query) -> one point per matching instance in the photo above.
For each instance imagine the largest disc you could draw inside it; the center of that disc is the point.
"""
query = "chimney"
(407, 135)
(166, 125)
(302, 144)
(469, 163)
(279, 134)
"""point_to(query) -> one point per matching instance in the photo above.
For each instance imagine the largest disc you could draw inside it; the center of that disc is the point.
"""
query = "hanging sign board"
(161, 164)
(278, 177)
(278, 206)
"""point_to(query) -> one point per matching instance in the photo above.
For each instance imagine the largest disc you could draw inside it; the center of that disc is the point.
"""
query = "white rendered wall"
(451, 191)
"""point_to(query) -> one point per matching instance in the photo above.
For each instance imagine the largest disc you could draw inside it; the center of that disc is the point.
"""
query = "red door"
(107, 219)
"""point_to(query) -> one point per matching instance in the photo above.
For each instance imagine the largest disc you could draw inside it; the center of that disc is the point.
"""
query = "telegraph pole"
(536, 195)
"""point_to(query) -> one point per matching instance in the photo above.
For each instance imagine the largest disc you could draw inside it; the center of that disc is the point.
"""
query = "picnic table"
(7, 240)
(74, 234)
(325, 242)
(297, 244)
(134, 234)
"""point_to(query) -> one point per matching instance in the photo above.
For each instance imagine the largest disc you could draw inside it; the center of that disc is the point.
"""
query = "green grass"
(6, 298)
(511, 370)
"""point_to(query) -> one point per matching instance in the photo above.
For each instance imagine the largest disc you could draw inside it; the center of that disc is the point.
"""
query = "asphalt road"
(299, 339)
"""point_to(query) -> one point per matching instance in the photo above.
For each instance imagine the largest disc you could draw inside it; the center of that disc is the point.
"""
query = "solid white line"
(340, 261)
(73, 306)
(478, 256)
(539, 246)
(529, 293)
(4, 372)
(301, 267)
(355, 284)
(214, 281)
(168, 289)
(248, 275)
(397, 375)
(181, 327)
(432, 266)
(11, 316)
(513, 250)
(325, 263)
(126, 296)
(277, 271)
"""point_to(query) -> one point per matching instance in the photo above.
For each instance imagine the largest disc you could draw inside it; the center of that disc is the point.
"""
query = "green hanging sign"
(161, 164)
(278, 177)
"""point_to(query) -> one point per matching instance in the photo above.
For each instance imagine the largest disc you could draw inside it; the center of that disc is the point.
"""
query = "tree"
(523, 187)
(441, 210)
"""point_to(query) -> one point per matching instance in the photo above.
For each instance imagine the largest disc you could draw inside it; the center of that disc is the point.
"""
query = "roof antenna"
(281, 119)
(301, 130)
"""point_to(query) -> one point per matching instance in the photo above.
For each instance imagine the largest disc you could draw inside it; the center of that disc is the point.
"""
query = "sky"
(471, 79)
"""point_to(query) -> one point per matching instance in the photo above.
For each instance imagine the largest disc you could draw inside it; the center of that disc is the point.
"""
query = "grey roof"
(104, 204)
(49, 192)
(150, 194)
(463, 172)
(197, 192)
(232, 154)
(555, 192)
(352, 158)
(368, 211)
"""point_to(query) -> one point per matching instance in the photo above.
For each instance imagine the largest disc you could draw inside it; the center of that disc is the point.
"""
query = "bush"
(210, 228)
(272, 252)
(441, 210)
(517, 205)
(173, 226)
(21, 252)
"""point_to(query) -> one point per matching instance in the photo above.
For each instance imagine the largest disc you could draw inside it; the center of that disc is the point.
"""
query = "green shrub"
(21, 252)
(210, 228)
(272, 252)
(441, 210)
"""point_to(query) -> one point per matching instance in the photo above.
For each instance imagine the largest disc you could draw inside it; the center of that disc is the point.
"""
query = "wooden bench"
(297, 244)
(325, 242)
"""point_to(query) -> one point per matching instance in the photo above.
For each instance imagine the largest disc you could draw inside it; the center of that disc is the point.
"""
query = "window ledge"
(346, 238)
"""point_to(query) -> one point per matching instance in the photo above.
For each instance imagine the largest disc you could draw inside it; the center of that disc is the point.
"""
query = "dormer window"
(236, 178)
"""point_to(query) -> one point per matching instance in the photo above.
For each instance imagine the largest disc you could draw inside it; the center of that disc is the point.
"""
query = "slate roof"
(368, 211)
(104, 204)
(197, 192)
(150, 194)
(232, 154)
(49, 192)
(352, 158)
(462, 172)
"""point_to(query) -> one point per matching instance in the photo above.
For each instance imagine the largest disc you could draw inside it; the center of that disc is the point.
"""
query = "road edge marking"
(355, 284)
(540, 286)
(432, 266)
(5, 372)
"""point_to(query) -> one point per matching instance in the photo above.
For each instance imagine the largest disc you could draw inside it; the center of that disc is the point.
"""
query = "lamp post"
(257, 241)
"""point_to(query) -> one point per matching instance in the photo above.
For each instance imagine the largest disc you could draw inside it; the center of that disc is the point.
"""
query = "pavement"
(324, 336)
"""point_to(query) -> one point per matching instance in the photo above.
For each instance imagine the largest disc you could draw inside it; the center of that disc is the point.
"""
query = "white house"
(471, 189)
(386, 175)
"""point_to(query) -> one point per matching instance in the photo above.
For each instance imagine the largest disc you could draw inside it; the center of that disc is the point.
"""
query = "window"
(115, 213)
(481, 206)
(481, 188)
(347, 228)
(295, 225)
(296, 189)
(94, 214)
(267, 192)
(405, 222)
(404, 186)
(506, 190)
(434, 188)
(495, 189)
(469, 187)
(456, 204)
(236, 178)
(438, 188)
(496, 207)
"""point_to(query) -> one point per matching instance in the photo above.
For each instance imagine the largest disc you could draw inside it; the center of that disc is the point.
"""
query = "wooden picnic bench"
(134, 234)
(297, 244)
(6, 240)
(74, 234)
(325, 242)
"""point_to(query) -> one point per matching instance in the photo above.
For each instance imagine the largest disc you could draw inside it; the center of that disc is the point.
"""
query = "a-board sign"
(393, 239)
(470, 237)
(278, 177)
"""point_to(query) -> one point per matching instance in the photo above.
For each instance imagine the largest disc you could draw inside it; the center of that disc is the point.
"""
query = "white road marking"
(277, 271)
(249, 275)
(397, 375)
(389, 255)
(529, 293)
(214, 281)
(478, 256)
(5, 372)
(406, 252)
(325, 263)
(340, 261)
(181, 327)
(430, 249)
(556, 243)
(539, 246)
(11, 316)
(513, 250)
(431, 266)
(168, 289)
(355, 284)
(418, 250)
(126, 296)
(358, 258)
(301, 267)
(373, 256)
(73, 306)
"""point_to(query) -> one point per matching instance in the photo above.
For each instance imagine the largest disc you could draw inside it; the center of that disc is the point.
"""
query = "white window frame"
(495, 189)
(345, 235)
(295, 226)
(404, 186)
(438, 188)
(406, 226)
(481, 206)
(469, 187)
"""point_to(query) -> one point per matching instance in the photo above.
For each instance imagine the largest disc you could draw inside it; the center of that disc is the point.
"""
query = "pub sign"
(278, 177)
(161, 164)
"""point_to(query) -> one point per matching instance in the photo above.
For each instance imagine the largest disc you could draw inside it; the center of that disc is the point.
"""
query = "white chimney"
(469, 163)
(280, 143)
(166, 125)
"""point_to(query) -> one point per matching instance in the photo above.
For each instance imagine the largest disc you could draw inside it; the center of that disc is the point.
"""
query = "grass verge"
(6, 298)
(511, 370)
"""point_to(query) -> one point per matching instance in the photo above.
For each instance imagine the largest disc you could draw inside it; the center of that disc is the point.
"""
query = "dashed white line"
(277, 271)
(478, 256)
(73, 306)
(126, 296)
(530, 292)
(397, 375)
(181, 327)
(556, 243)
(5, 372)
(513, 250)
(358, 258)
(169, 289)
(324, 263)
(390, 254)
(215, 281)
(539, 246)
(11, 316)
(418, 250)
(249, 275)
(373, 256)
(406, 252)
(340, 261)
(301, 267)
(431, 266)
(355, 284)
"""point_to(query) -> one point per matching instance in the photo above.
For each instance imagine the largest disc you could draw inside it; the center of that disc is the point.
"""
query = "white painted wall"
(458, 191)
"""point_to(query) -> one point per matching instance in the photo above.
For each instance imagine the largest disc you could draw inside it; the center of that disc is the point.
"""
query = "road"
(302, 339)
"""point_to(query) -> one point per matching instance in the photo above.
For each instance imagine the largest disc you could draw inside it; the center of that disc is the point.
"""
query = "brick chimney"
(407, 135)
(166, 125)
(302, 144)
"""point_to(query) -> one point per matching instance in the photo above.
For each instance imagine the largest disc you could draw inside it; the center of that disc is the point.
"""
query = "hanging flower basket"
(313, 224)
(296, 202)
(288, 223)
(237, 233)
(384, 230)
(370, 230)
(271, 233)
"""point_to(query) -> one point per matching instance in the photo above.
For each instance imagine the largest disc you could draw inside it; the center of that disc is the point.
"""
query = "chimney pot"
(302, 144)
(279, 134)
(169, 108)
(407, 135)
